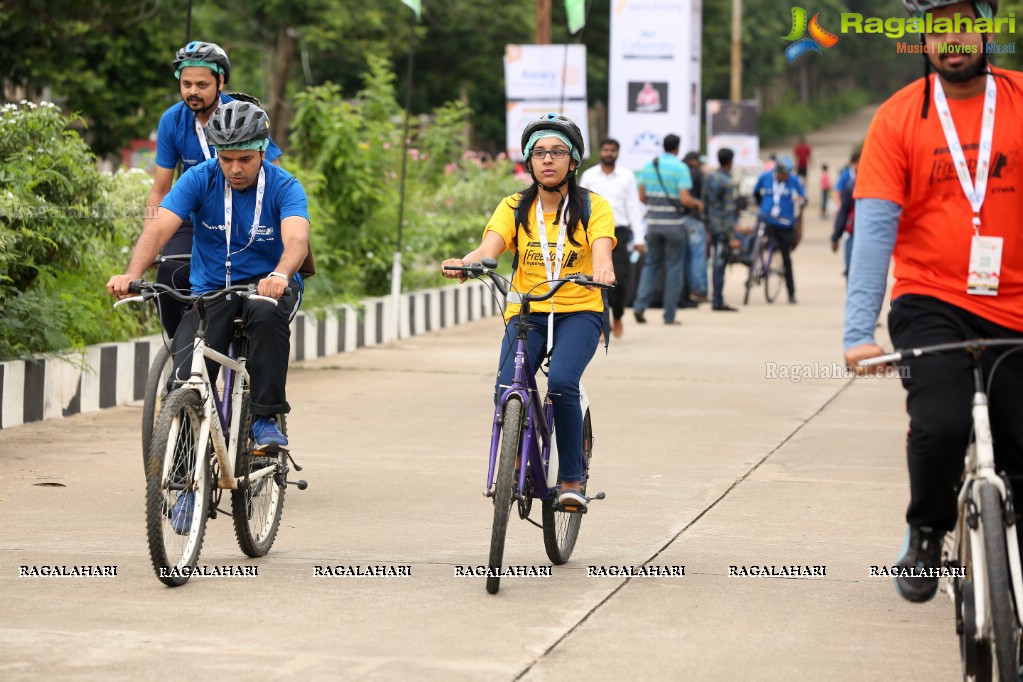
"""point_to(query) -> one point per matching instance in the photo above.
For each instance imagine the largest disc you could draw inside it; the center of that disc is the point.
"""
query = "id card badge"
(985, 266)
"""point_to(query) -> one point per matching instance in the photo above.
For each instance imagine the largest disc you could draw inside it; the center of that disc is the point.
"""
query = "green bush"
(348, 155)
(791, 118)
(63, 230)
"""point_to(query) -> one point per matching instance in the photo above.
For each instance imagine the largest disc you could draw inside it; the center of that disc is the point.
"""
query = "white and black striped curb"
(111, 374)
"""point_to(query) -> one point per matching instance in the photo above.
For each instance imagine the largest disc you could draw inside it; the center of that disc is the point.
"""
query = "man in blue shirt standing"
(251, 227)
(779, 194)
(664, 185)
(202, 70)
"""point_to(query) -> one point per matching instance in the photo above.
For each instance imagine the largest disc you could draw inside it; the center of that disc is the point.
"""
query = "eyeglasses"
(556, 154)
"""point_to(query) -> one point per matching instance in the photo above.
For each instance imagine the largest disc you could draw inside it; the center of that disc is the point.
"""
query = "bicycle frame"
(538, 426)
(980, 468)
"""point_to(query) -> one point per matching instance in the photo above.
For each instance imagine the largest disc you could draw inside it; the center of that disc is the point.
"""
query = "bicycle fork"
(984, 472)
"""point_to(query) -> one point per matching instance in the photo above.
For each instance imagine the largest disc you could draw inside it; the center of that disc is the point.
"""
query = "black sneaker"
(922, 549)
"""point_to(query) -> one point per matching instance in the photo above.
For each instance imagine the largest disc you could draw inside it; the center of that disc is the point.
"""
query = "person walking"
(664, 186)
(618, 186)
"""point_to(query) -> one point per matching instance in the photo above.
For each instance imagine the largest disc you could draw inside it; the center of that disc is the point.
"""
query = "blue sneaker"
(266, 433)
(181, 514)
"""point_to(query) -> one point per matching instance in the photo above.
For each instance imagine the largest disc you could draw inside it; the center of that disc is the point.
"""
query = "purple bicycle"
(523, 431)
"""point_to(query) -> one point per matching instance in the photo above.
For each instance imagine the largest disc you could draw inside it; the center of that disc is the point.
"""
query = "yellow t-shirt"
(570, 298)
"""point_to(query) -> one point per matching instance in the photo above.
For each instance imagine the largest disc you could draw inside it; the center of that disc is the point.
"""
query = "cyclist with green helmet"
(938, 187)
(202, 70)
(556, 228)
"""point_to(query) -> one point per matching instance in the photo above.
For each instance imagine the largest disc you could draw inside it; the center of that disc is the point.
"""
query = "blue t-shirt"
(176, 139)
(843, 177)
(255, 252)
(786, 199)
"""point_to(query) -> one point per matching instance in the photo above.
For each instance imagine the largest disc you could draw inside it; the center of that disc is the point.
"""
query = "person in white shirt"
(618, 186)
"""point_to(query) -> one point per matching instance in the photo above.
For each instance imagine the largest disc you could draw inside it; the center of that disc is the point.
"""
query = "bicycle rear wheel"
(561, 529)
(1005, 626)
(258, 507)
(504, 490)
(177, 488)
(156, 385)
(774, 274)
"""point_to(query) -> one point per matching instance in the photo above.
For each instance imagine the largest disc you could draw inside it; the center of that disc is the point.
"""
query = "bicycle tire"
(172, 456)
(774, 274)
(511, 433)
(1004, 624)
(155, 385)
(561, 529)
(256, 510)
(754, 270)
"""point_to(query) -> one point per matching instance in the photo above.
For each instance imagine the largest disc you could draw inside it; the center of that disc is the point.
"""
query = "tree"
(107, 61)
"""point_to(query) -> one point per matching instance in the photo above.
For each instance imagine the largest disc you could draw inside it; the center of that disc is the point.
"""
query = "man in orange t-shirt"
(912, 203)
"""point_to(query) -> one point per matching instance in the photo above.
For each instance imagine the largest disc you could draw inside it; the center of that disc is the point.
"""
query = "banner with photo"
(540, 79)
(654, 77)
(733, 125)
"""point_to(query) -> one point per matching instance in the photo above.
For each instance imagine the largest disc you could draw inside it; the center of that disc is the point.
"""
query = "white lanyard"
(779, 189)
(974, 192)
(260, 188)
(559, 253)
(202, 141)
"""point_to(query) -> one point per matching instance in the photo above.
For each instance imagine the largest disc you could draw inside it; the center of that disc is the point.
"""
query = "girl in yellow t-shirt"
(553, 146)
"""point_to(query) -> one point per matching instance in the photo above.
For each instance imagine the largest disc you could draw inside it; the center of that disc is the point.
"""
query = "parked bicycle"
(989, 598)
(201, 445)
(523, 452)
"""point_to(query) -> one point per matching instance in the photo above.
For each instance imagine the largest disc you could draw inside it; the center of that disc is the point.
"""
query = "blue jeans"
(696, 256)
(663, 250)
(575, 341)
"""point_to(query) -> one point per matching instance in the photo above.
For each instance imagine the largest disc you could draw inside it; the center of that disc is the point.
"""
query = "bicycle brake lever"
(257, 297)
(131, 299)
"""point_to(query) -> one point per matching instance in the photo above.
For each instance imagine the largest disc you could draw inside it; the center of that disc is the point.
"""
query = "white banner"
(654, 78)
(733, 125)
(540, 79)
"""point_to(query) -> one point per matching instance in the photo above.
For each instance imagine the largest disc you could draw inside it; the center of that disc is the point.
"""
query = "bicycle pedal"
(301, 485)
(569, 509)
(598, 496)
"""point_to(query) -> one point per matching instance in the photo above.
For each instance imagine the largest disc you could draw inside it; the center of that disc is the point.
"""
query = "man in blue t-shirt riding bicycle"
(251, 227)
(202, 70)
(780, 194)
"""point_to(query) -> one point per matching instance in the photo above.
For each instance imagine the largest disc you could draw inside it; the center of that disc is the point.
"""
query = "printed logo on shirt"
(218, 228)
(534, 257)
(1002, 167)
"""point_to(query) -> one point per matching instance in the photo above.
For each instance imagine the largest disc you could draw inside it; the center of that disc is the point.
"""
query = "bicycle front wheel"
(561, 529)
(257, 507)
(156, 386)
(504, 490)
(754, 270)
(1005, 627)
(774, 274)
(177, 488)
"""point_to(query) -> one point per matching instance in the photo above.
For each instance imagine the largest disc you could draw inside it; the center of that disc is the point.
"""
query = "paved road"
(710, 458)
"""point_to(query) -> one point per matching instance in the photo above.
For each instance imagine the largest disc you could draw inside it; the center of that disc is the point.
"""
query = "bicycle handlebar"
(974, 345)
(148, 290)
(488, 265)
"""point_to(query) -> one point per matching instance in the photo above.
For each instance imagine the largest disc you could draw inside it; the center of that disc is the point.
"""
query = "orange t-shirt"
(906, 160)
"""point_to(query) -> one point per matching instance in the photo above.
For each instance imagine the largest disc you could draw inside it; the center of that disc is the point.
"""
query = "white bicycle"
(201, 445)
(989, 598)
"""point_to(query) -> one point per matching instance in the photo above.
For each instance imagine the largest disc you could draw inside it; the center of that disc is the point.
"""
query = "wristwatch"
(279, 274)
